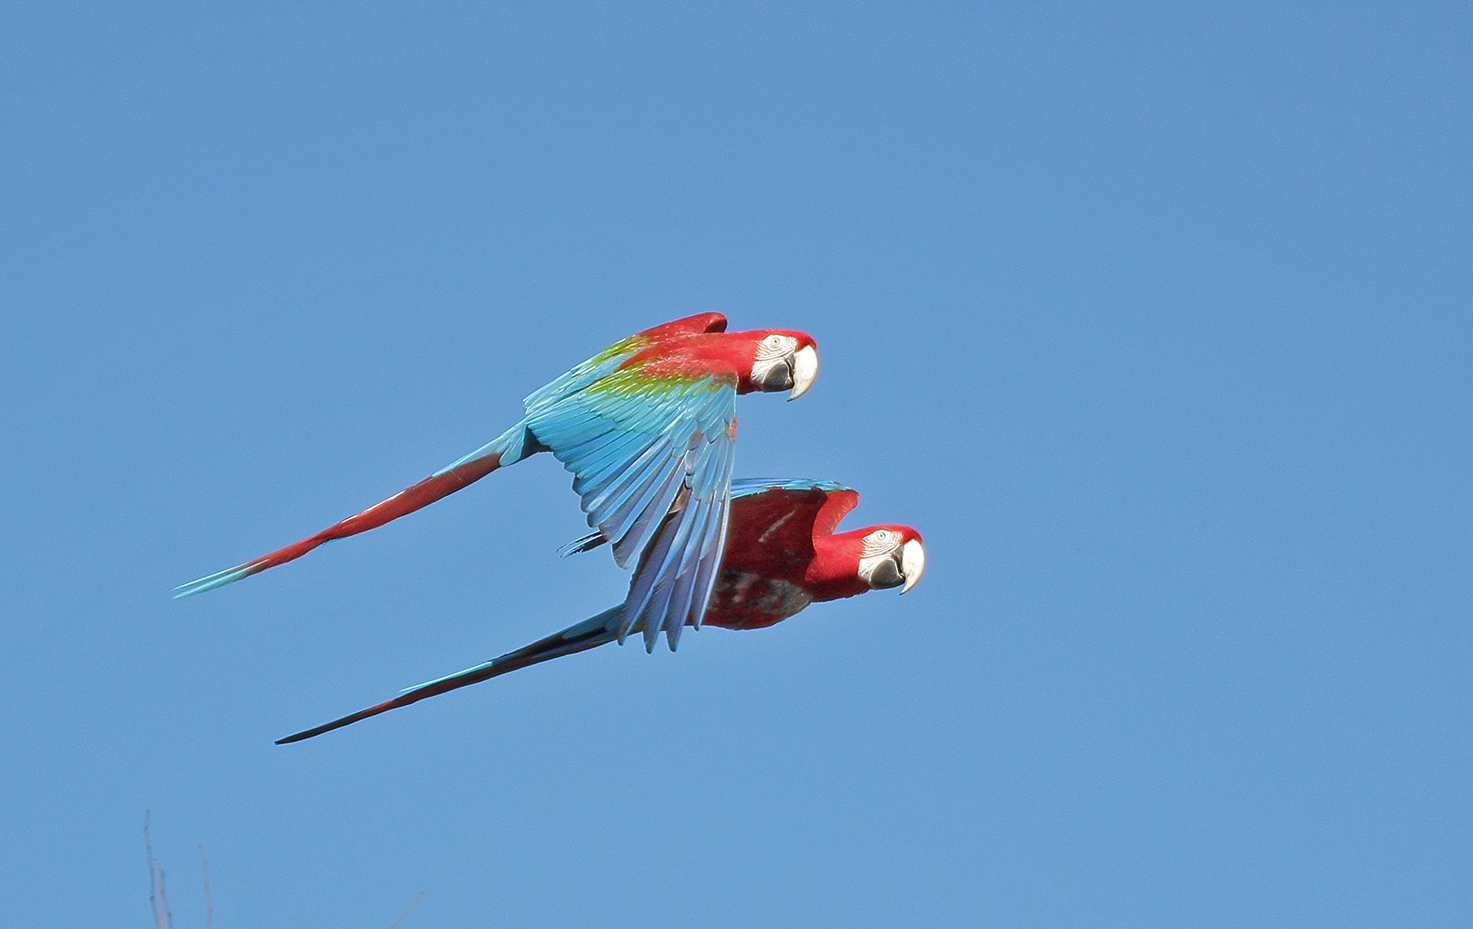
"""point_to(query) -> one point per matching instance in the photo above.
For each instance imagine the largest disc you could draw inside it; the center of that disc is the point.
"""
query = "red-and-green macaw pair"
(647, 427)
(782, 553)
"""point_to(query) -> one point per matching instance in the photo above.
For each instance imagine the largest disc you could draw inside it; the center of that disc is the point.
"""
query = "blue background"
(1154, 320)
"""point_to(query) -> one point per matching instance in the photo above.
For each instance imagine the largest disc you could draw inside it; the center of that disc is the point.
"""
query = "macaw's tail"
(591, 633)
(508, 448)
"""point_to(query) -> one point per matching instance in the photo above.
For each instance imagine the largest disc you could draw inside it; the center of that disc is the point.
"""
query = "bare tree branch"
(406, 912)
(153, 884)
(157, 898)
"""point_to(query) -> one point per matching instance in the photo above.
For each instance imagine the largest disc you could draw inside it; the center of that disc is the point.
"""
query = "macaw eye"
(773, 341)
(880, 542)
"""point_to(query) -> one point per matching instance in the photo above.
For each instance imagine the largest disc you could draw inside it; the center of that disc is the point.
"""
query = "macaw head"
(890, 556)
(779, 359)
(873, 558)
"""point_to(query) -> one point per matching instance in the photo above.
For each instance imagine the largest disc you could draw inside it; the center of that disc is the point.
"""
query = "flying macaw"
(781, 554)
(647, 427)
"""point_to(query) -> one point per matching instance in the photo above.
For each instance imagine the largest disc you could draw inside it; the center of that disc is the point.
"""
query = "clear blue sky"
(1155, 321)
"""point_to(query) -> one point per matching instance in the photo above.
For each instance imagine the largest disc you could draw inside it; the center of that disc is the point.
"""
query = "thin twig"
(406, 912)
(164, 899)
(209, 907)
(157, 897)
(153, 882)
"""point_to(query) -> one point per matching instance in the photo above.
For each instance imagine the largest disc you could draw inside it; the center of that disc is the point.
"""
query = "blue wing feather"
(645, 512)
(627, 516)
(613, 466)
(611, 489)
(672, 584)
(642, 587)
(687, 576)
(672, 573)
(706, 580)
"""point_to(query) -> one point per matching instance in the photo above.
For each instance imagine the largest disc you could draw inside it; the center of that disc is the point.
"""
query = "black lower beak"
(780, 377)
(887, 574)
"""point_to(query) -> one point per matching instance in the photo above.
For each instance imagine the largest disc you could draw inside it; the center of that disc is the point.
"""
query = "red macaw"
(647, 427)
(781, 554)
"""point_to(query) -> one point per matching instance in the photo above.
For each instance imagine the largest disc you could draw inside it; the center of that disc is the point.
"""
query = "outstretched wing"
(652, 459)
(677, 574)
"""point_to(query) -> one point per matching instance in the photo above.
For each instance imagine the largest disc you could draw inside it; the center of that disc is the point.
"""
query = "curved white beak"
(805, 369)
(912, 563)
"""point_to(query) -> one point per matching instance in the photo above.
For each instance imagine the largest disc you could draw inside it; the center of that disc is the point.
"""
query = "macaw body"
(782, 553)
(647, 427)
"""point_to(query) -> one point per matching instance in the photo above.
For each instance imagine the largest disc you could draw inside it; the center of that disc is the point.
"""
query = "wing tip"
(585, 544)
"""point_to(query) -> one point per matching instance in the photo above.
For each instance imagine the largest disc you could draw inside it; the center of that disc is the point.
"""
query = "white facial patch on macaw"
(771, 370)
(877, 562)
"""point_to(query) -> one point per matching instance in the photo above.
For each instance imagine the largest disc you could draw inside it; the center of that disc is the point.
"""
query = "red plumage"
(782, 554)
